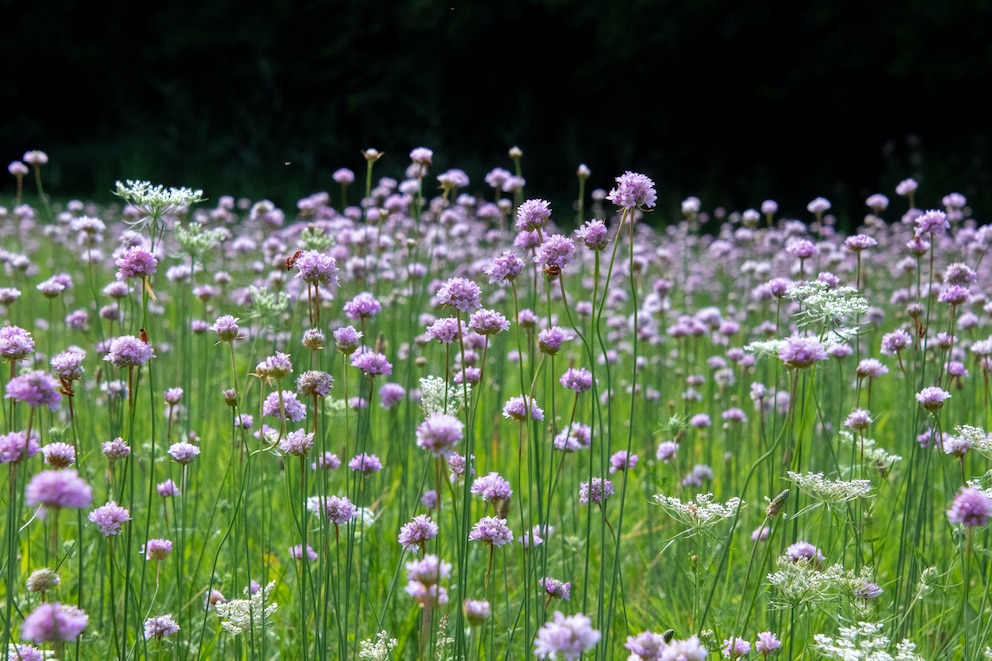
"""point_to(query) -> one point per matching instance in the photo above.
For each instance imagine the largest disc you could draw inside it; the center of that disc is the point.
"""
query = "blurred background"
(728, 101)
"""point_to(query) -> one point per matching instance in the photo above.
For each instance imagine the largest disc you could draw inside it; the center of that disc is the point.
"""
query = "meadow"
(430, 417)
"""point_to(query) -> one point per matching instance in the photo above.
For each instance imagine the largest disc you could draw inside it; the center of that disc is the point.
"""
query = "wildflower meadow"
(432, 417)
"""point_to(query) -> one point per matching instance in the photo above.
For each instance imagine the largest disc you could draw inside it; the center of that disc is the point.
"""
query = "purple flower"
(646, 646)
(735, 648)
(440, 433)
(896, 341)
(594, 234)
(36, 388)
(801, 248)
(183, 453)
(327, 461)
(622, 461)
(157, 549)
(576, 436)
(633, 190)
(488, 322)
(365, 463)
(428, 570)
(932, 222)
(128, 351)
(569, 637)
(416, 533)
(25, 653)
(274, 367)
(533, 215)
(338, 510)
(297, 552)
(108, 518)
(491, 487)
(347, 340)
(932, 398)
(555, 589)
(516, 409)
(59, 455)
(226, 328)
(868, 590)
(800, 352)
(767, 643)
(445, 330)
(596, 491)
(549, 341)
(476, 611)
(870, 368)
(557, 251)
(372, 363)
(54, 622)
(58, 489)
(362, 307)
(504, 268)
(294, 410)
(136, 262)
(666, 450)
(167, 489)
(577, 379)
(314, 383)
(316, 268)
(172, 396)
(461, 294)
(492, 531)
(804, 551)
(16, 446)
(391, 394)
(971, 507)
(859, 242)
(15, 343)
(160, 626)
(297, 443)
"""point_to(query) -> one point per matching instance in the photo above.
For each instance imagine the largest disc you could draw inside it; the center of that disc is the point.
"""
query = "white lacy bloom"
(874, 455)
(700, 515)
(765, 348)
(979, 440)
(864, 641)
(803, 582)
(155, 201)
(439, 396)
(246, 615)
(837, 308)
(378, 650)
(827, 491)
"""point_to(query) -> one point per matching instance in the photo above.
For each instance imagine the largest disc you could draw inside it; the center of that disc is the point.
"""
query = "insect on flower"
(143, 335)
(291, 261)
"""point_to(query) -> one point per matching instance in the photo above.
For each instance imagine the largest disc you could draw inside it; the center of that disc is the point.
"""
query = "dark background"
(733, 102)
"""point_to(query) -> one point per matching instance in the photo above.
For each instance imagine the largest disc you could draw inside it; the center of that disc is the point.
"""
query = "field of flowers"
(433, 418)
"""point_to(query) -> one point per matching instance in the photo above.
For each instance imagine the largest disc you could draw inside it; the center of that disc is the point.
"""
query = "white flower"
(979, 440)
(803, 582)
(246, 615)
(700, 516)
(873, 455)
(829, 492)
(837, 308)
(864, 641)
(439, 396)
(378, 650)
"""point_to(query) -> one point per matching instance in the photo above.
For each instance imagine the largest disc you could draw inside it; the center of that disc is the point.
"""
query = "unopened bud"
(775, 507)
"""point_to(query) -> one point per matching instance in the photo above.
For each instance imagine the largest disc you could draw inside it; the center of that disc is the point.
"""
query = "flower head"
(136, 262)
(971, 506)
(36, 388)
(160, 626)
(129, 351)
(492, 531)
(54, 622)
(108, 518)
(440, 433)
(416, 533)
(565, 636)
(596, 491)
(633, 190)
(58, 489)
(461, 294)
